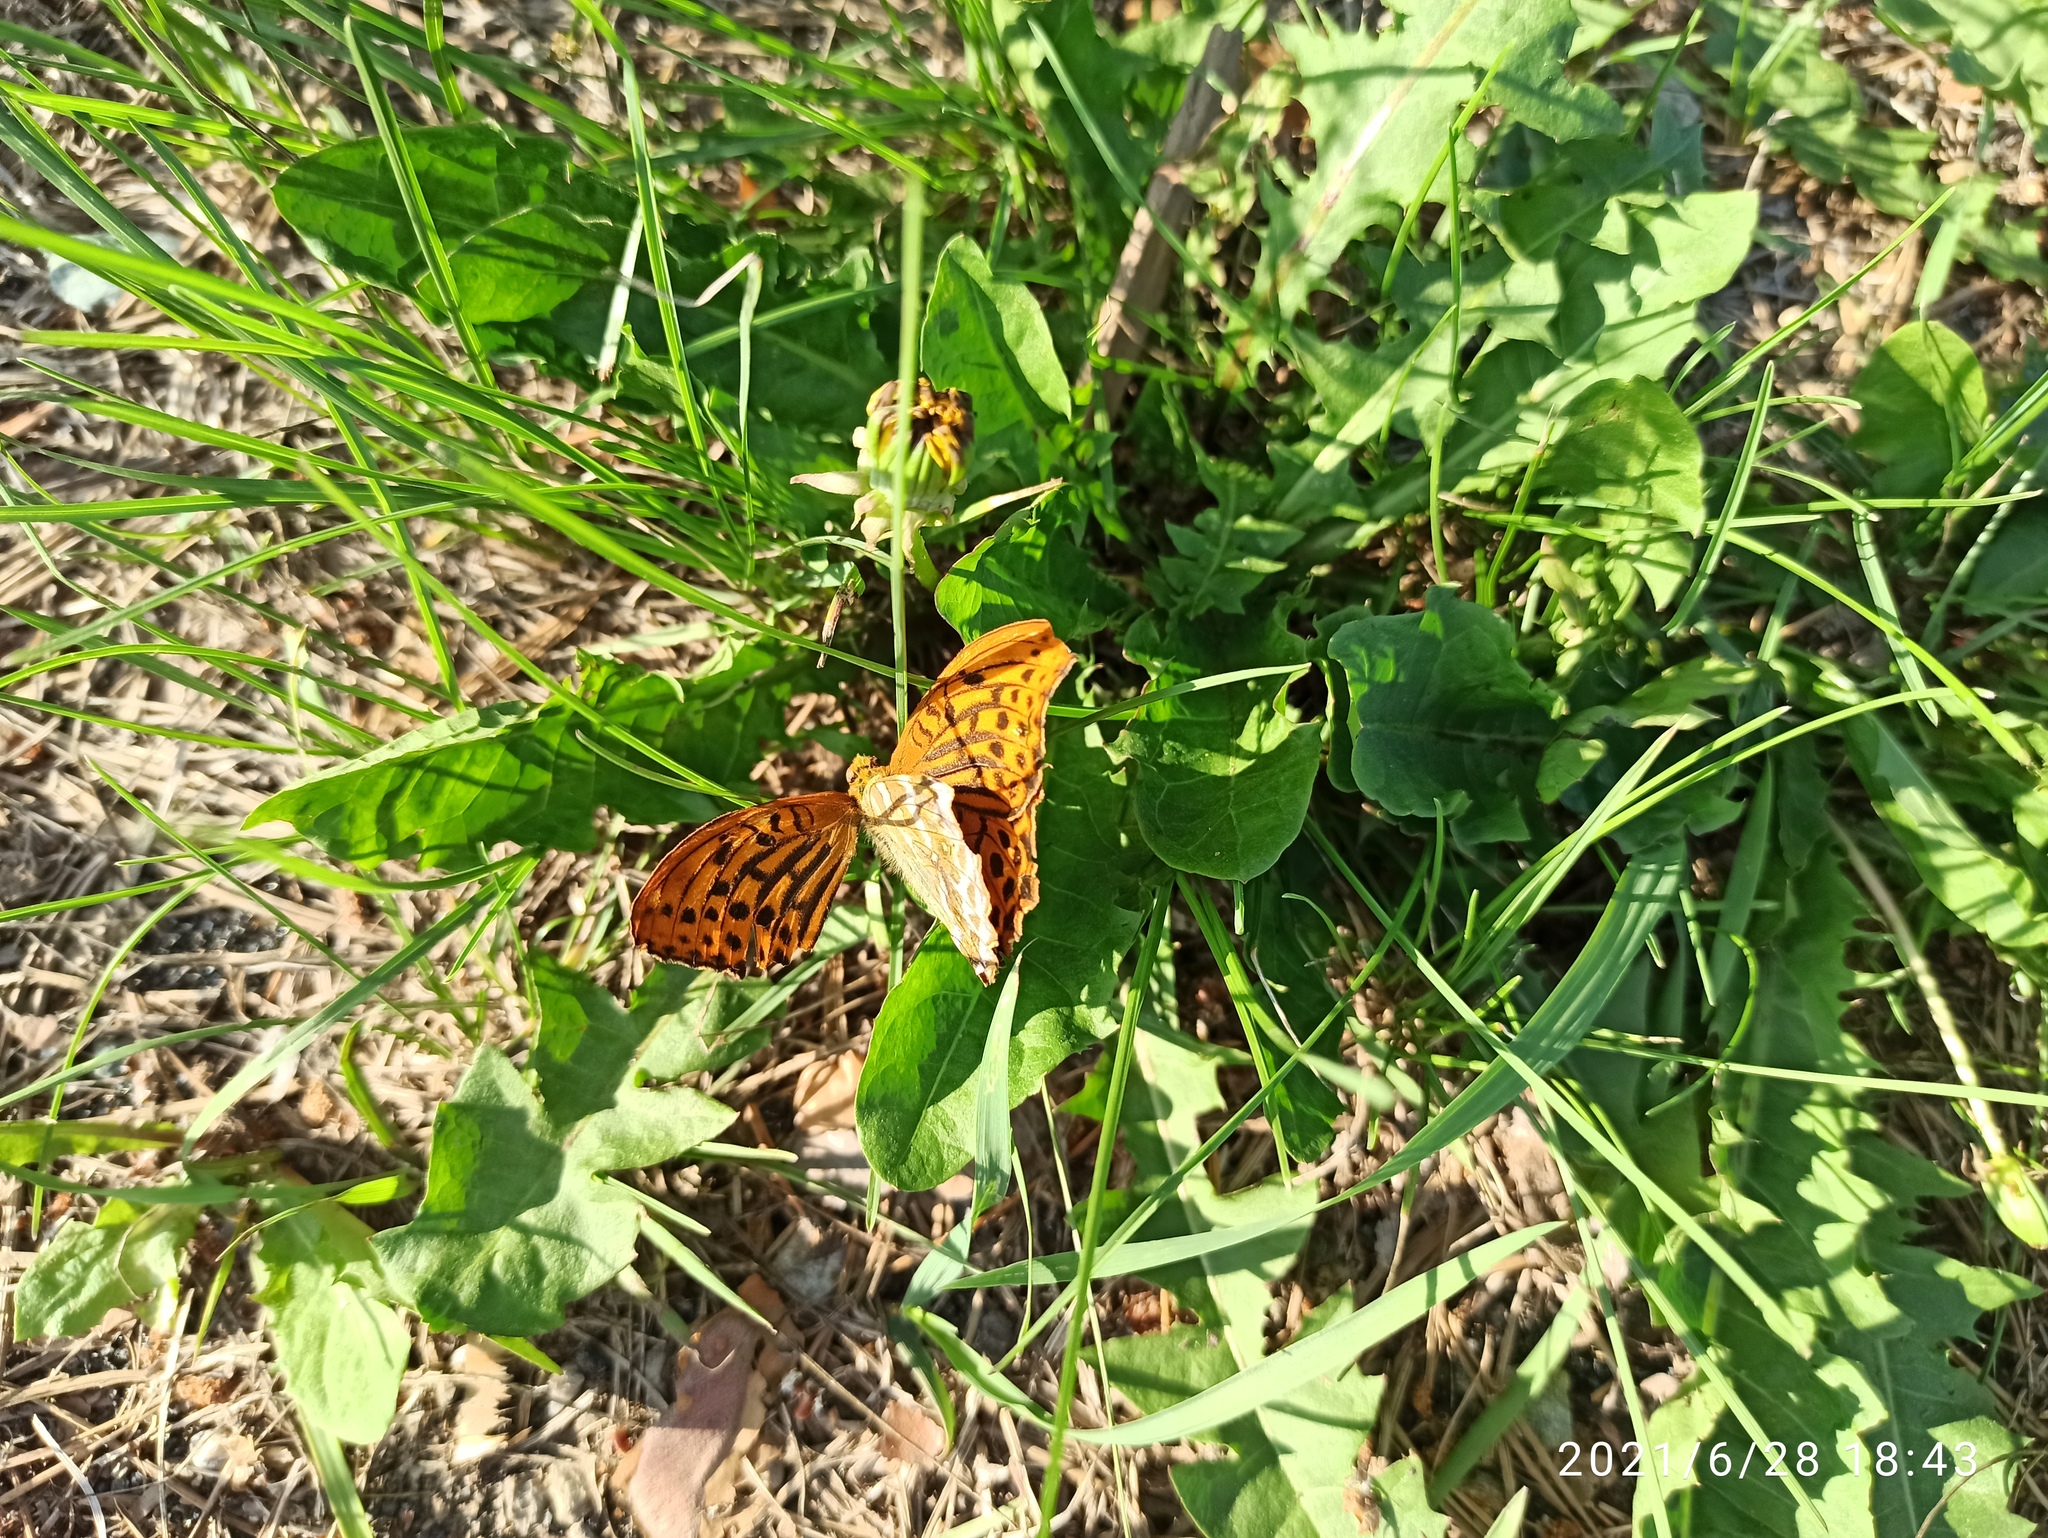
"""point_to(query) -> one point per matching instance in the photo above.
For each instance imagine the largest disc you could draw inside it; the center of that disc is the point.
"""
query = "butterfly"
(954, 813)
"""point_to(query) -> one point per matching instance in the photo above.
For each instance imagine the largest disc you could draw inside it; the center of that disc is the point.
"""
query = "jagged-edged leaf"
(1813, 104)
(915, 1107)
(1229, 549)
(1380, 104)
(1075, 78)
(1822, 1207)
(2001, 48)
(1991, 894)
(1443, 718)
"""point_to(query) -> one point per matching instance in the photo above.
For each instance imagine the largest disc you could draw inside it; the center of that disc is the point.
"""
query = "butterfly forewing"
(909, 819)
(981, 730)
(983, 723)
(748, 891)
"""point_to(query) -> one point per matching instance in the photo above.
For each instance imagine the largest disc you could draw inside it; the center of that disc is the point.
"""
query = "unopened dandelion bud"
(941, 446)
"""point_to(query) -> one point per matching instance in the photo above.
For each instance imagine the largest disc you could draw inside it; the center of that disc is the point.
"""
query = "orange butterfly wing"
(981, 729)
(747, 892)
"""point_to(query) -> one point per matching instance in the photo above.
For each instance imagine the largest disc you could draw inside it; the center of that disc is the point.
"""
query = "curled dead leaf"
(825, 1091)
(681, 1465)
(910, 1428)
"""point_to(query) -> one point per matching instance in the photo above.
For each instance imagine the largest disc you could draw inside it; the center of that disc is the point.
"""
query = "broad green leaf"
(1924, 404)
(1291, 1462)
(1404, 1503)
(509, 1232)
(528, 773)
(516, 1224)
(342, 1348)
(1443, 718)
(916, 1102)
(1510, 298)
(1292, 1457)
(1628, 303)
(644, 1127)
(1220, 778)
(524, 229)
(1630, 460)
(1573, 194)
(1276, 1377)
(120, 1258)
(584, 1048)
(1980, 887)
(1155, 1371)
(2013, 569)
(1031, 568)
(990, 338)
(1172, 1085)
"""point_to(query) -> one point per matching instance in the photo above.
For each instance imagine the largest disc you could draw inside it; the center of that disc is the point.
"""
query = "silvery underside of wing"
(910, 820)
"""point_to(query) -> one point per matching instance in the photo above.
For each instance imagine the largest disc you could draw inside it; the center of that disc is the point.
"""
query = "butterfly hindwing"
(1006, 842)
(910, 821)
(747, 892)
(981, 730)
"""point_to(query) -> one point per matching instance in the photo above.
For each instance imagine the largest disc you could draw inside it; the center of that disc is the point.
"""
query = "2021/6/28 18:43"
(1601, 1460)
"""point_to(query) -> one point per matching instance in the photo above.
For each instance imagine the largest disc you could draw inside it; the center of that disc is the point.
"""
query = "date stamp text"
(1764, 1460)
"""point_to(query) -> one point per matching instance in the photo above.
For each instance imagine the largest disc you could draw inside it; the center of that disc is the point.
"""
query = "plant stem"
(1945, 1025)
(912, 258)
(1098, 1185)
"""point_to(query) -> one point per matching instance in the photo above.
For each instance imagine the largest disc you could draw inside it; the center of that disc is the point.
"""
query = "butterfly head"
(860, 771)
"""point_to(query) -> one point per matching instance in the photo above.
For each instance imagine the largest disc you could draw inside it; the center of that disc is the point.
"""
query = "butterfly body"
(954, 814)
(909, 819)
